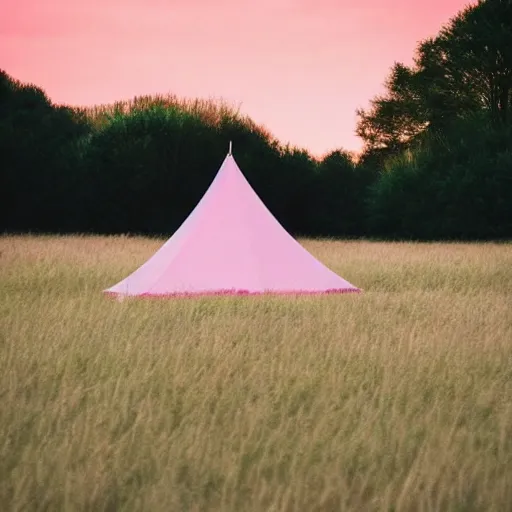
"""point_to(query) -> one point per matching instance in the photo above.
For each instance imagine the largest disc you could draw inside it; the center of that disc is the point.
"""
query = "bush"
(458, 186)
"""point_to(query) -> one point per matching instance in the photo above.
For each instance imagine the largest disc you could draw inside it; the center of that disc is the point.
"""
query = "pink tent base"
(234, 293)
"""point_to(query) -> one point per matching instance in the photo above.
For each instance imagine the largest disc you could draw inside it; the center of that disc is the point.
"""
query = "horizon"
(302, 81)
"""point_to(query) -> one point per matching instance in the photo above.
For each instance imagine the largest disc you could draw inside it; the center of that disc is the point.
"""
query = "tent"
(230, 244)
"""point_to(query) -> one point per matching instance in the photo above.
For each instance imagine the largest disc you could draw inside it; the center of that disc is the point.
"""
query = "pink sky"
(299, 67)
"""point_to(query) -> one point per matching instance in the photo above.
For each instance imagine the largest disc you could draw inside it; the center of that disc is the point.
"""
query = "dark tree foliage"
(338, 196)
(148, 170)
(441, 135)
(436, 162)
(396, 118)
(142, 170)
(40, 150)
(455, 186)
(475, 50)
(466, 68)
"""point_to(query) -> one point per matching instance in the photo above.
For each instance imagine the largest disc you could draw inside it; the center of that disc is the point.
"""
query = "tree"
(455, 186)
(467, 68)
(339, 194)
(397, 117)
(40, 148)
(476, 48)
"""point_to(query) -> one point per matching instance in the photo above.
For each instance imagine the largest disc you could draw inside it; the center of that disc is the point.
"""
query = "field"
(397, 399)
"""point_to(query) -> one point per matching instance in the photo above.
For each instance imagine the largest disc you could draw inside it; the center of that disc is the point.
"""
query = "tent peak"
(230, 148)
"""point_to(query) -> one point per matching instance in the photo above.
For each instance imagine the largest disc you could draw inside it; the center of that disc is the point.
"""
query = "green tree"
(40, 159)
(145, 171)
(465, 69)
(455, 186)
(339, 195)
(150, 167)
(396, 117)
(476, 53)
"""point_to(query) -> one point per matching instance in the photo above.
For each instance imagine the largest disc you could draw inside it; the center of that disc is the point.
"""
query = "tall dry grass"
(397, 399)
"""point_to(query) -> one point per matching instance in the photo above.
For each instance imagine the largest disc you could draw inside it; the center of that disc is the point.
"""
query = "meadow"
(397, 399)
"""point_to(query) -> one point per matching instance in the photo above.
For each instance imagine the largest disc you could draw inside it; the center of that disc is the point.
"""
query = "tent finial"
(230, 147)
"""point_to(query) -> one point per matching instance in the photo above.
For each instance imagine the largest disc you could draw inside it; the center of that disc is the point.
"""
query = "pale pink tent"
(230, 244)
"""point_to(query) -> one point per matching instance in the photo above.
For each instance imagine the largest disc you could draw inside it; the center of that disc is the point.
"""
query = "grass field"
(398, 399)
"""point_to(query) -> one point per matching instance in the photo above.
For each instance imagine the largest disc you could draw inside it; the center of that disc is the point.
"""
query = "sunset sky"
(299, 67)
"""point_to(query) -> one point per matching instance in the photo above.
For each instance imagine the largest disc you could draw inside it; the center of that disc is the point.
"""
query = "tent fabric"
(230, 245)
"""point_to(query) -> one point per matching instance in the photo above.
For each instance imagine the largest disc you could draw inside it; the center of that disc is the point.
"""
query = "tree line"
(436, 164)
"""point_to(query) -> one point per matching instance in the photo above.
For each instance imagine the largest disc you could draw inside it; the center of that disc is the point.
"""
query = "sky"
(301, 68)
